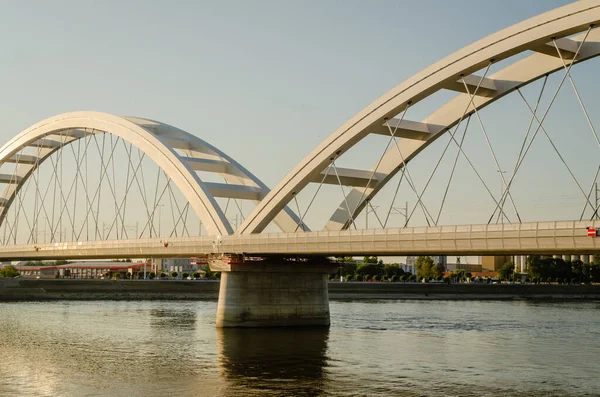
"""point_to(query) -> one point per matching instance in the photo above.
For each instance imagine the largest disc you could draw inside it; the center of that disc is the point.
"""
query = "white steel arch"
(541, 34)
(160, 142)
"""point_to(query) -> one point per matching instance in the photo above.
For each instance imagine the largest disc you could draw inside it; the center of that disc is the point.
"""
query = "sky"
(264, 81)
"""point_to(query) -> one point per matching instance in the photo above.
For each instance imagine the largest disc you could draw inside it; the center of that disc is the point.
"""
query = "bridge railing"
(560, 237)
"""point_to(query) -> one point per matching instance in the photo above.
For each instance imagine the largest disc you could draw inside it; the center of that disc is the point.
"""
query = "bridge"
(538, 238)
(94, 185)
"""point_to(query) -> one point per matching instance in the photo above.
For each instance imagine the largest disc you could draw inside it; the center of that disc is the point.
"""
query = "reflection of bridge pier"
(272, 292)
(261, 358)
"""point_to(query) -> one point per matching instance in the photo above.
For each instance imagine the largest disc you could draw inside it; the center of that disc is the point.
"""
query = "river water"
(401, 348)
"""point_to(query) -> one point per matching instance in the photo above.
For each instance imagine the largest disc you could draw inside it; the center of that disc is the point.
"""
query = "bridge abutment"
(272, 293)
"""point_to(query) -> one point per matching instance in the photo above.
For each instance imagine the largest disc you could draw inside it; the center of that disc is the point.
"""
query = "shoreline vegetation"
(74, 289)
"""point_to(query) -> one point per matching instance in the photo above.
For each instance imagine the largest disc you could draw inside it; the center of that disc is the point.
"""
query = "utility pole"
(501, 192)
(369, 208)
(402, 211)
(596, 196)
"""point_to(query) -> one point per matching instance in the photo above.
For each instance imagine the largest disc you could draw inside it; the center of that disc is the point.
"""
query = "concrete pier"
(273, 293)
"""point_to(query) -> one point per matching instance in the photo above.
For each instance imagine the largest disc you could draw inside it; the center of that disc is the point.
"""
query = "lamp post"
(368, 210)
(501, 191)
(159, 217)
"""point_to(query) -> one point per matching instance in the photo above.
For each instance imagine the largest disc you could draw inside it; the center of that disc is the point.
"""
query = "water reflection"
(272, 360)
(173, 318)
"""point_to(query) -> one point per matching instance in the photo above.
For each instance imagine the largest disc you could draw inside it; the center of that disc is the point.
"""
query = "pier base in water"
(273, 293)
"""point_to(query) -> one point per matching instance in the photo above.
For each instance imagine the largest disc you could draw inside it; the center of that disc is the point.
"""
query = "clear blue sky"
(276, 77)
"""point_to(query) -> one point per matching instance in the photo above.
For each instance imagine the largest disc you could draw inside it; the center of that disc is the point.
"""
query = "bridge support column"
(273, 293)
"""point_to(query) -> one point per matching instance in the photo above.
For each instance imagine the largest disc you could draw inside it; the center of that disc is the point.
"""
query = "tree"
(369, 268)
(424, 267)
(9, 272)
(370, 259)
(437, 271)
(34, 263)
(595, 272)
(506, 271)
(458, 275)
(392, 269)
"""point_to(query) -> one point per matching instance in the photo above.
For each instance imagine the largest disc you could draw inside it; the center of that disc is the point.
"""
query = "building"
(178, 265)
(468, 267)
(85, 270)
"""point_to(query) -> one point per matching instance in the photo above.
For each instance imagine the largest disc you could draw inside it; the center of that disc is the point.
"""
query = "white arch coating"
(158, 141)
(532, 34)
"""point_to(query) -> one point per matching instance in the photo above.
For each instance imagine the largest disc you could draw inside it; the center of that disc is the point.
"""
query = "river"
(400, 348)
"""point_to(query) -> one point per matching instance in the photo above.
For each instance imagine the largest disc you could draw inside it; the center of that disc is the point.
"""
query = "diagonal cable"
(540, 122)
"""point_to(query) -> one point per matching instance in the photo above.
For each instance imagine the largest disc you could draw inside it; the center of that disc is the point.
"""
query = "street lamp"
(501, 191)
(159, 217)
(369, 209)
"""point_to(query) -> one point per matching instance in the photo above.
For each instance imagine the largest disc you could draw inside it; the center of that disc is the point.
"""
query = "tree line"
(549, 269)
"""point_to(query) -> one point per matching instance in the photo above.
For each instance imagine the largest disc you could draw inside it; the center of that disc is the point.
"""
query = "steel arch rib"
(151, 138)
(531, 34)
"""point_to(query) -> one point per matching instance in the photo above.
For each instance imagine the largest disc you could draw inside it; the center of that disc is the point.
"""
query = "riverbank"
(65, 289)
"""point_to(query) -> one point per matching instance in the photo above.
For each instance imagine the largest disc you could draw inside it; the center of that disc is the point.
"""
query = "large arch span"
(556, 40)
(158, 141)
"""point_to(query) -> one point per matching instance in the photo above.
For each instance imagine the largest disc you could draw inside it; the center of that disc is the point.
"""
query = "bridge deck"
(563, 237)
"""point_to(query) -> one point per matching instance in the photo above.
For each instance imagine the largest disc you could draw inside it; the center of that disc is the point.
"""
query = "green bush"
(185, 276)
(573, 281)
(376, 278)
(394, 278)
(218, 275)
(163, 275)
(196, 275)
(349, 277)
(9, 272)
(366, 277)
(174, 274)
(152, 275)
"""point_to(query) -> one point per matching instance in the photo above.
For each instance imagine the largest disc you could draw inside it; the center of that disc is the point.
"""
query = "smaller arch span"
(178, 153)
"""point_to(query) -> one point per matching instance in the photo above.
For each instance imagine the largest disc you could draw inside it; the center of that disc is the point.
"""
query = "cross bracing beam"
(45, 143)
(207, 165)
(234, 191)
(176, 142)
(487, 86)
(7, 178)
(347, 177)
(23, 159)
(407, 129)
(567, 48)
